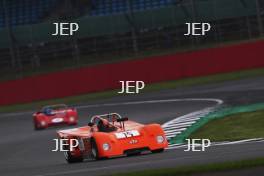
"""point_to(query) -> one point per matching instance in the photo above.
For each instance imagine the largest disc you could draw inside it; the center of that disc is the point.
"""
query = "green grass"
(149, 88)
(234, 127)
(198, 169)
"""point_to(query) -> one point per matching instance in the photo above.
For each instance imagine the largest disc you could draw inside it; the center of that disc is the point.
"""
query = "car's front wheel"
(36, 126)
(158, 150)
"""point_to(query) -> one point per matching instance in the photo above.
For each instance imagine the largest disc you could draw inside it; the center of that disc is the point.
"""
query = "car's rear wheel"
(70, 158)
(158, 150)
(94, 150)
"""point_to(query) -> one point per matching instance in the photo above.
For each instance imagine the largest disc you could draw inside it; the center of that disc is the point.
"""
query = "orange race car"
(111, 135)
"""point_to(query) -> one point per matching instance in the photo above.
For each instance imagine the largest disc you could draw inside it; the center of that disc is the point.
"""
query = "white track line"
(180, 124)
(172, 135)
(256, 140)
(218, 101)
(172, 131)
(175, 127)
(187, 120)
(239, 142)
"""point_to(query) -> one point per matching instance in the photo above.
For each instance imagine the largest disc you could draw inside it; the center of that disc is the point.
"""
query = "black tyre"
(94, 150)
(36, 127)
(158, 151)
(135, 153)
(70, 158)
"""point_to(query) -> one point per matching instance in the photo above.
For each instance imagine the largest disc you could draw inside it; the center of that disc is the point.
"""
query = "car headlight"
(160, 139)
(42, 123)
(72, 119)
(106, 146)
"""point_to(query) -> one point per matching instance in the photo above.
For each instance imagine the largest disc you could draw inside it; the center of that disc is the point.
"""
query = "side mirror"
(122, 119)
(90, 124)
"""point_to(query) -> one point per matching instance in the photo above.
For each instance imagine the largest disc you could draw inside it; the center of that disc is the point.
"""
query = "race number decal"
(57, 120)
(127, 134)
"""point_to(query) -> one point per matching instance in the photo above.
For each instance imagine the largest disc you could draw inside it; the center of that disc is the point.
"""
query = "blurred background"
(113, 30)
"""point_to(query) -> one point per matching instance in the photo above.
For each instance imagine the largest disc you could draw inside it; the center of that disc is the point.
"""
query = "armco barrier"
(107, 76)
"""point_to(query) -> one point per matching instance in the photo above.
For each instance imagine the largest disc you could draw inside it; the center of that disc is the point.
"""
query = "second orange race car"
(111, 135)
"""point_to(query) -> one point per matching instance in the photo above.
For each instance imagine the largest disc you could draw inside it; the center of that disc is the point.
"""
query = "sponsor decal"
(57, 120)
(133, 141)
(127, 134)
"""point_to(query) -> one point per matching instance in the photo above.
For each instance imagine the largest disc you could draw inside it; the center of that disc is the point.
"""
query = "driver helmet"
(105, 122)
(48, 111)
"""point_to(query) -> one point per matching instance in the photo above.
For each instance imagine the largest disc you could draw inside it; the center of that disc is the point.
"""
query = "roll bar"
(106, 116)
(119, 119)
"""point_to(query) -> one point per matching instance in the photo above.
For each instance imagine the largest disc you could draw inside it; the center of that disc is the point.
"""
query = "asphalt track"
(27, 152)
